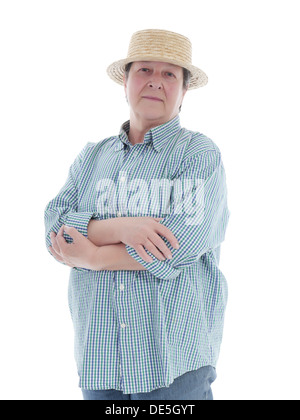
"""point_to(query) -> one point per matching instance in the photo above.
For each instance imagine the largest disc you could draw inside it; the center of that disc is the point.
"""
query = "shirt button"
(123, 325)
(119, 214)
(122, 179)
(122, 286)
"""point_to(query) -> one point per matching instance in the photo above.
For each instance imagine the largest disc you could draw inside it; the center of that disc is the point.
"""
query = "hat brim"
(116, 70)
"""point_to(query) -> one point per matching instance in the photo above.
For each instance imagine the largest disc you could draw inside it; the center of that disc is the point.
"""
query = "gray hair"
(186, 75)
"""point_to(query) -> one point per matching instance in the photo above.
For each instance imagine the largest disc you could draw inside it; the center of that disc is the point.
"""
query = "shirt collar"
(158, 136)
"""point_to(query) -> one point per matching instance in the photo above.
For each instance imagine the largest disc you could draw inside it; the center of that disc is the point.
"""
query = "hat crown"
(161, 45)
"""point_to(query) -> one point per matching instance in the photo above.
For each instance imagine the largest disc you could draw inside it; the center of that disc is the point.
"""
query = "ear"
(125, 83)
(183, 93)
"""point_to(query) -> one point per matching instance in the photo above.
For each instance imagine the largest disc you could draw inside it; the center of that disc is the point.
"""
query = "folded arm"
(63, 210)
(82, 253)
(197, 228)
(198, 217)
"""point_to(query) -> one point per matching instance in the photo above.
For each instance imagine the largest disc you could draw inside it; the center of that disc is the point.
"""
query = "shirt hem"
(128, 390)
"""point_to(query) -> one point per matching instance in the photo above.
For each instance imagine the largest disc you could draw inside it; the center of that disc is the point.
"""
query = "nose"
(155, 84)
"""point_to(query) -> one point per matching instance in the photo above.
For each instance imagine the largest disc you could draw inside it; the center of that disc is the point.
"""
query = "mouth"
(153, 98)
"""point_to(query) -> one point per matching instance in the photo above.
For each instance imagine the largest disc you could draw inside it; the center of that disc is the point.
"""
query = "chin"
(153, 116)
(152, 112)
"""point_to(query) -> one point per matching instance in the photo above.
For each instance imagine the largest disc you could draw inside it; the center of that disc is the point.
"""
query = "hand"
(144, 232)
(81, 253)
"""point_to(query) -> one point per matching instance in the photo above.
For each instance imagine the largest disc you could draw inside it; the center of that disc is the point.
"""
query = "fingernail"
(169, 256)
(176, 245)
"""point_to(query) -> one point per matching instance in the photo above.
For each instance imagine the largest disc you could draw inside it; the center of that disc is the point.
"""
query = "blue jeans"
(194, 385)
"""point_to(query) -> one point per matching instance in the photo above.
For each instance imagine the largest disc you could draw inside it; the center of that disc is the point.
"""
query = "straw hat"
(159, 45)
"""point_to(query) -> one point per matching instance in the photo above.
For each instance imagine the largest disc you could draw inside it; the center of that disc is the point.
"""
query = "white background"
(55, 96)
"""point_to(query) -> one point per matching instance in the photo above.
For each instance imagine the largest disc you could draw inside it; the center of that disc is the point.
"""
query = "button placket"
(121, 299)
(122, 193)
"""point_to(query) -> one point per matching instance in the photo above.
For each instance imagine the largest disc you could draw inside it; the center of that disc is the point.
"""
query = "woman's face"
(154, 91)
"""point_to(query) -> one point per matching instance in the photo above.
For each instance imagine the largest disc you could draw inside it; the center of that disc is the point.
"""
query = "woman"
(140, 220)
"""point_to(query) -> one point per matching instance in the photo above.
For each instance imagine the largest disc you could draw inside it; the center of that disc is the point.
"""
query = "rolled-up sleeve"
(198, 214)
(63, 209)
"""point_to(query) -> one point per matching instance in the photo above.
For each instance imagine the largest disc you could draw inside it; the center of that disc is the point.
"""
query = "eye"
(144, 69)
(170, 74)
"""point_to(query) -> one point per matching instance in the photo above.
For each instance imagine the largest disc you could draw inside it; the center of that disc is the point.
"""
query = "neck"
(139, 128)
(136, 135)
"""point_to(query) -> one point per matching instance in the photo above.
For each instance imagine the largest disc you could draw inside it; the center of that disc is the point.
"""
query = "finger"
(73, 233)
(158, 219)
(166, 232)
(61, 231)
(60, 258)
(159, 244)
(60, 242)
(54, 242)
(59, 237)
(155, 251)
(143, 254)
(55, 254)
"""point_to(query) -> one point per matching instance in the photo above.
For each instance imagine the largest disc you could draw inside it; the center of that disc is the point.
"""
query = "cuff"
(79, 221)
(159, 269)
